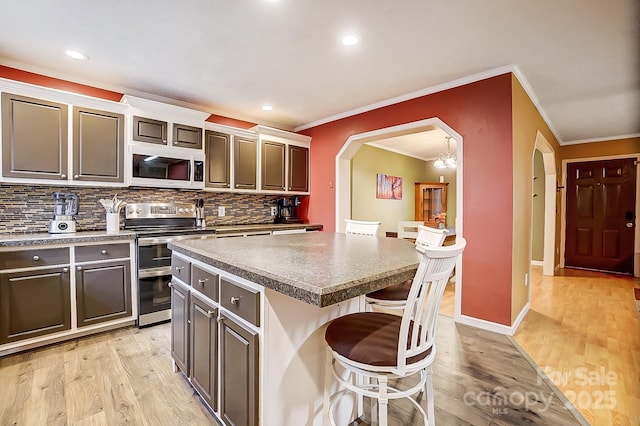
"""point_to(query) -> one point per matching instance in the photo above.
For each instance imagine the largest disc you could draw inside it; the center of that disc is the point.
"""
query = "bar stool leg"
(328, 381)
(383, 400)
(428, 389)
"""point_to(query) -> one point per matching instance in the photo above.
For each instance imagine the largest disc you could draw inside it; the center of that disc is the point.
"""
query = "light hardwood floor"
(583, 330)
(125, 377)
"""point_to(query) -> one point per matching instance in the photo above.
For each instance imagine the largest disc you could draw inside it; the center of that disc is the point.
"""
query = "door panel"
(601, 215)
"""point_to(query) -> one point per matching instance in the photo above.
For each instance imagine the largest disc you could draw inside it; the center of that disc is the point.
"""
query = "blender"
(65, 207)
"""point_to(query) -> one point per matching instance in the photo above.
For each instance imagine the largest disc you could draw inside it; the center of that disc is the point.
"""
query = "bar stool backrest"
(360, 227)
(429, 237)
(418, 327)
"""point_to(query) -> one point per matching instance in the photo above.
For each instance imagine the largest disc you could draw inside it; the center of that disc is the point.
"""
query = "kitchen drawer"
(205, 282)
(34, 257)
(241, 300)
(181, 268)
(102, 252)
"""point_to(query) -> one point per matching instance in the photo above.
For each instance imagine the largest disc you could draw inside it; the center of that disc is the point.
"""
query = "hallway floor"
(583, 330)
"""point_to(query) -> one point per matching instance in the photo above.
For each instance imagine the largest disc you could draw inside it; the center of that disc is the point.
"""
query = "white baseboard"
(537, 263)
(492, 326)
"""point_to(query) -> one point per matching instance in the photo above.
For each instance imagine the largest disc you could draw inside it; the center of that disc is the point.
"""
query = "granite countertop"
(320, 268)
(44, 238)
(230, 229)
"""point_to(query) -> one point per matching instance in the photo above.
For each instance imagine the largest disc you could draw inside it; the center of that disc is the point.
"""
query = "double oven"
(155, 225)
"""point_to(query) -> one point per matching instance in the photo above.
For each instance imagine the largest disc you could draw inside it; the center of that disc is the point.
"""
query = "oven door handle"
(154, 272)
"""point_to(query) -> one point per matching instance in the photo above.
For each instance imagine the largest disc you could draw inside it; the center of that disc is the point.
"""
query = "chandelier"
(448, 160)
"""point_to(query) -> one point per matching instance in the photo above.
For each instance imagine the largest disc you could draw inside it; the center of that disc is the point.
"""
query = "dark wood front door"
(600, 228)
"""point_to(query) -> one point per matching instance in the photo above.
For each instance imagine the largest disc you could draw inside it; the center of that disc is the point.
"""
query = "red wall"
(481, 113)
(56, 83)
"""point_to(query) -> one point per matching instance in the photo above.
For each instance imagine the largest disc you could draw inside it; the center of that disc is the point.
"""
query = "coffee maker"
(286, 212)
(65, 207)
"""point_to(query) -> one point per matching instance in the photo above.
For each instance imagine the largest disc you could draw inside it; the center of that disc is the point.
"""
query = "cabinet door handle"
(36, 258)
(79, 268)
(65, 270)
(235, 300)
(179, 269)
(76, 176)
(63, 176)
(170, 284)
(202, 281)
(210, 313)
(103, 252)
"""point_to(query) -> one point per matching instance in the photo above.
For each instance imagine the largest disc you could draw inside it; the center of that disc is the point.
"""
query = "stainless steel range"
(155, 224)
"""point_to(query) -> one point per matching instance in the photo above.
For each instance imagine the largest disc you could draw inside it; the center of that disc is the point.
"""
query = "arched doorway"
(343, 178)
(549, 162)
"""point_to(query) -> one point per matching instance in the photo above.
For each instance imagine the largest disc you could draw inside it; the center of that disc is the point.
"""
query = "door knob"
(629, 225)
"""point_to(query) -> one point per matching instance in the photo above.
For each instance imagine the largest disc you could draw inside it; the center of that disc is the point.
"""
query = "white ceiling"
(579, 58)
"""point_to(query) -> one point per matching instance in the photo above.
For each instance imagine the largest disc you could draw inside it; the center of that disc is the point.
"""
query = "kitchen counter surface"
(232, 229)
(44, 238)
(319, 268)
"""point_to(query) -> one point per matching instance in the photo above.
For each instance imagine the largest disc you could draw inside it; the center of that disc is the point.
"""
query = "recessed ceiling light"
(349, 40)
(76, 55)
(267, 107)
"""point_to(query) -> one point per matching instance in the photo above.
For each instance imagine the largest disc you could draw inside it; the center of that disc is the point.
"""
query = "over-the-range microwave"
(166, 167)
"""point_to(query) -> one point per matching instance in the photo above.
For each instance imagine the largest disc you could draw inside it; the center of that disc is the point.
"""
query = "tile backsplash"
(29, 208)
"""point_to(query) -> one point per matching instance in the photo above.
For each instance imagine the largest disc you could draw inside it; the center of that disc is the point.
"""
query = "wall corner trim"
(492, 326)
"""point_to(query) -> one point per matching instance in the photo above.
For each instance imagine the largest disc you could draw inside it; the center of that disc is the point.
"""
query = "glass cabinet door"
(431, 200)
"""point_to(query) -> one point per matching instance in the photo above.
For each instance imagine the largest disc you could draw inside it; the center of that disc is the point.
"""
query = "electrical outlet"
(221, 211)
(274, 211)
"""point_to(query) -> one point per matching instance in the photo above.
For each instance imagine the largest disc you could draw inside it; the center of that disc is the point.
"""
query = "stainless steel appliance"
(65, 207)
(287, 210)
(167, 167)
(156, 224)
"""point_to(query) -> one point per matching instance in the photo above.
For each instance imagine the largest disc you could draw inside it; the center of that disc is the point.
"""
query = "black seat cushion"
(369, 338)
(395, 292)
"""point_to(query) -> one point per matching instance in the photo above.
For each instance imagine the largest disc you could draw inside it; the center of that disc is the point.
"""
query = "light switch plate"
(274, 211)
(221, 211)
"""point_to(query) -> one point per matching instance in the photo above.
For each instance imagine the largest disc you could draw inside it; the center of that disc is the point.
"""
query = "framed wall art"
(389, 187)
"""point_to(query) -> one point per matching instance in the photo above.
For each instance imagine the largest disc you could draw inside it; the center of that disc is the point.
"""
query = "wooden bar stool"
(367, 349)
(395, 296)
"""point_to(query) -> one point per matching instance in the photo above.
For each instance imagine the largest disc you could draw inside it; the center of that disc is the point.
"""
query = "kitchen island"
(298, 284)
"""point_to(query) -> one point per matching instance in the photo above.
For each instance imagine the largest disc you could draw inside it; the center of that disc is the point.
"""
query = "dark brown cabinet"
(217, 149)
(98, 145)
(34, 138)
(204, 350)
(272, 166)
(238, 373)
(149, 130)
(187, 136)
(180, 326)
(34, 303)
(298, 168)
(245, 161)
(103, 292)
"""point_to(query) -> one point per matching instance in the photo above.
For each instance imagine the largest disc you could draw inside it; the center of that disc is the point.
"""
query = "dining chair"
(409, 229)
(360, 227)
(394, 297)
(367, 349)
